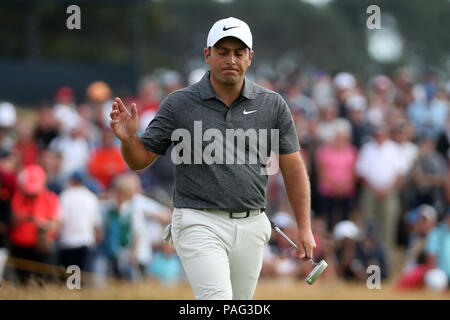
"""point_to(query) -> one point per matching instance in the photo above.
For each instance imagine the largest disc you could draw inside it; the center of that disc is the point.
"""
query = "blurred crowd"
(377, 153)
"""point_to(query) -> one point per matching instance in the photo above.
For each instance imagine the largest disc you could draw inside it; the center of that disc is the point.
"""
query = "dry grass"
(266, 290)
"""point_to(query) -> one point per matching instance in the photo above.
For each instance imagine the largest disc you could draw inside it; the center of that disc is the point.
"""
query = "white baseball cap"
(344, 81)
(345, 229)
(8, 114)
(230, 27)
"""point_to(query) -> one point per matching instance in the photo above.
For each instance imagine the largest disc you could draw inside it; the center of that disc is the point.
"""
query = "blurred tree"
(172, 33)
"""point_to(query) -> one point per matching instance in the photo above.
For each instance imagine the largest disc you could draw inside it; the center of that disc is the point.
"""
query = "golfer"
(219, 226)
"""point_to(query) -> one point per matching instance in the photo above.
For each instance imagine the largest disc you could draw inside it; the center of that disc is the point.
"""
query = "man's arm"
(125, 125)
(135, 154)
(299, 194)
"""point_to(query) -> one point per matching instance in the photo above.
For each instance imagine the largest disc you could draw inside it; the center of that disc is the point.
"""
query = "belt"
(237, 215)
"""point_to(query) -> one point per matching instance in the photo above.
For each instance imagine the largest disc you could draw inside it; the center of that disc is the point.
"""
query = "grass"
(325, 288)
(266, 290)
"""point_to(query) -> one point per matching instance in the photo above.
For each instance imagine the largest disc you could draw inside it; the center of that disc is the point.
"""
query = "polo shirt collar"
(207, 92)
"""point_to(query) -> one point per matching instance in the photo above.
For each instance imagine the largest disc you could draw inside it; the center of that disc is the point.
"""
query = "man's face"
(228, 60)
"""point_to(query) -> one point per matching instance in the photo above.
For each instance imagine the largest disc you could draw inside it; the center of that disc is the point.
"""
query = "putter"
(319, 267)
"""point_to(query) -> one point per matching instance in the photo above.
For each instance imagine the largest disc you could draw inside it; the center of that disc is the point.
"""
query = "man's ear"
(250, 57)
(207, 53)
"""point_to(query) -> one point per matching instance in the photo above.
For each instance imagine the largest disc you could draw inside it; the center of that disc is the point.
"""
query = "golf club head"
(316, 272)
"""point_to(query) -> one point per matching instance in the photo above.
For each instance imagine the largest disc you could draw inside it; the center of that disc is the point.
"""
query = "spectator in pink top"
(335, 162)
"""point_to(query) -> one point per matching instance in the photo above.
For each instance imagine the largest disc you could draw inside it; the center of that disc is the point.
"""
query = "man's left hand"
(305, 243)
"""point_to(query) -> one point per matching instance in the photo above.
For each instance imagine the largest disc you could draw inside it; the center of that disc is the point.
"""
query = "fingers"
(308, 251)
(305, 250)
(114, 114)
(120, 106)
(134, 112)
(301, 254)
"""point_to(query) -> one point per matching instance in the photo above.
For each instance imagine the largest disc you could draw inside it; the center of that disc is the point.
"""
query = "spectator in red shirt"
(106, 161)
(35, 214)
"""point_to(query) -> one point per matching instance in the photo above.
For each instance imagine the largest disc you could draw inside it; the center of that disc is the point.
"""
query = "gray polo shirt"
(226, 185)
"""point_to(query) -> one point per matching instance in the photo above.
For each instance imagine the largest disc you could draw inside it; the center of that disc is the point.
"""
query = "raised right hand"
(123, 123)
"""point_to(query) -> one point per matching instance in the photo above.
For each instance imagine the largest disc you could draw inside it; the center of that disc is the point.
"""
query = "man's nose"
(231, 58)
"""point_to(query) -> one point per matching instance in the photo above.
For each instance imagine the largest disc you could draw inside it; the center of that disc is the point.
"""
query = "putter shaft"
(319, 267)
(291, 242)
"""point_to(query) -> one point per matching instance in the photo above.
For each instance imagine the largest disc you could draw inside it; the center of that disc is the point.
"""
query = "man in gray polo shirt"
(224, 128)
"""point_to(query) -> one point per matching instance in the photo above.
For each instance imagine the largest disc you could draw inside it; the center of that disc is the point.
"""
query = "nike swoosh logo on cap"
(225, 28)
(248, 112)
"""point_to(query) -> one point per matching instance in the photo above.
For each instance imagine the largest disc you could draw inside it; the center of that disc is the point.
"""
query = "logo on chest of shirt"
(252, 146)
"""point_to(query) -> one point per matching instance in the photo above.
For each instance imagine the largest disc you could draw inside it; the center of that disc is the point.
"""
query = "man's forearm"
(135, 154)
(298, 191)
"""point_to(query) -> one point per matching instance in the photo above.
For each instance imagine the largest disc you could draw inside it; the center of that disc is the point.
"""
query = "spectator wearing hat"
(356, 112)
(65, 110)
(8, 117)
(420, 221)
(344, 85)
(349, 266)
(81, 223)
(73, 148)
(381, 168)
(35, 216)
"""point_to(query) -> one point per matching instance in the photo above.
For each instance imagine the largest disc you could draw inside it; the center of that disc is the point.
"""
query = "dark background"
(120, 41)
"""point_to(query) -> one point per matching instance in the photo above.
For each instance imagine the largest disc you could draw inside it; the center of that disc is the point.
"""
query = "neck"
(228, 93)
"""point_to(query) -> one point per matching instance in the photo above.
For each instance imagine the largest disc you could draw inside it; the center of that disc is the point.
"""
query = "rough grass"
(266, 290)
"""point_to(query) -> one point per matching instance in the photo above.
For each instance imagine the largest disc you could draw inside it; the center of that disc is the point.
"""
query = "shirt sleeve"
(157, 136)
(288, 139)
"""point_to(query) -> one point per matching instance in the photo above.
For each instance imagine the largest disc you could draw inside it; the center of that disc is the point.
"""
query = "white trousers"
(222, 257)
